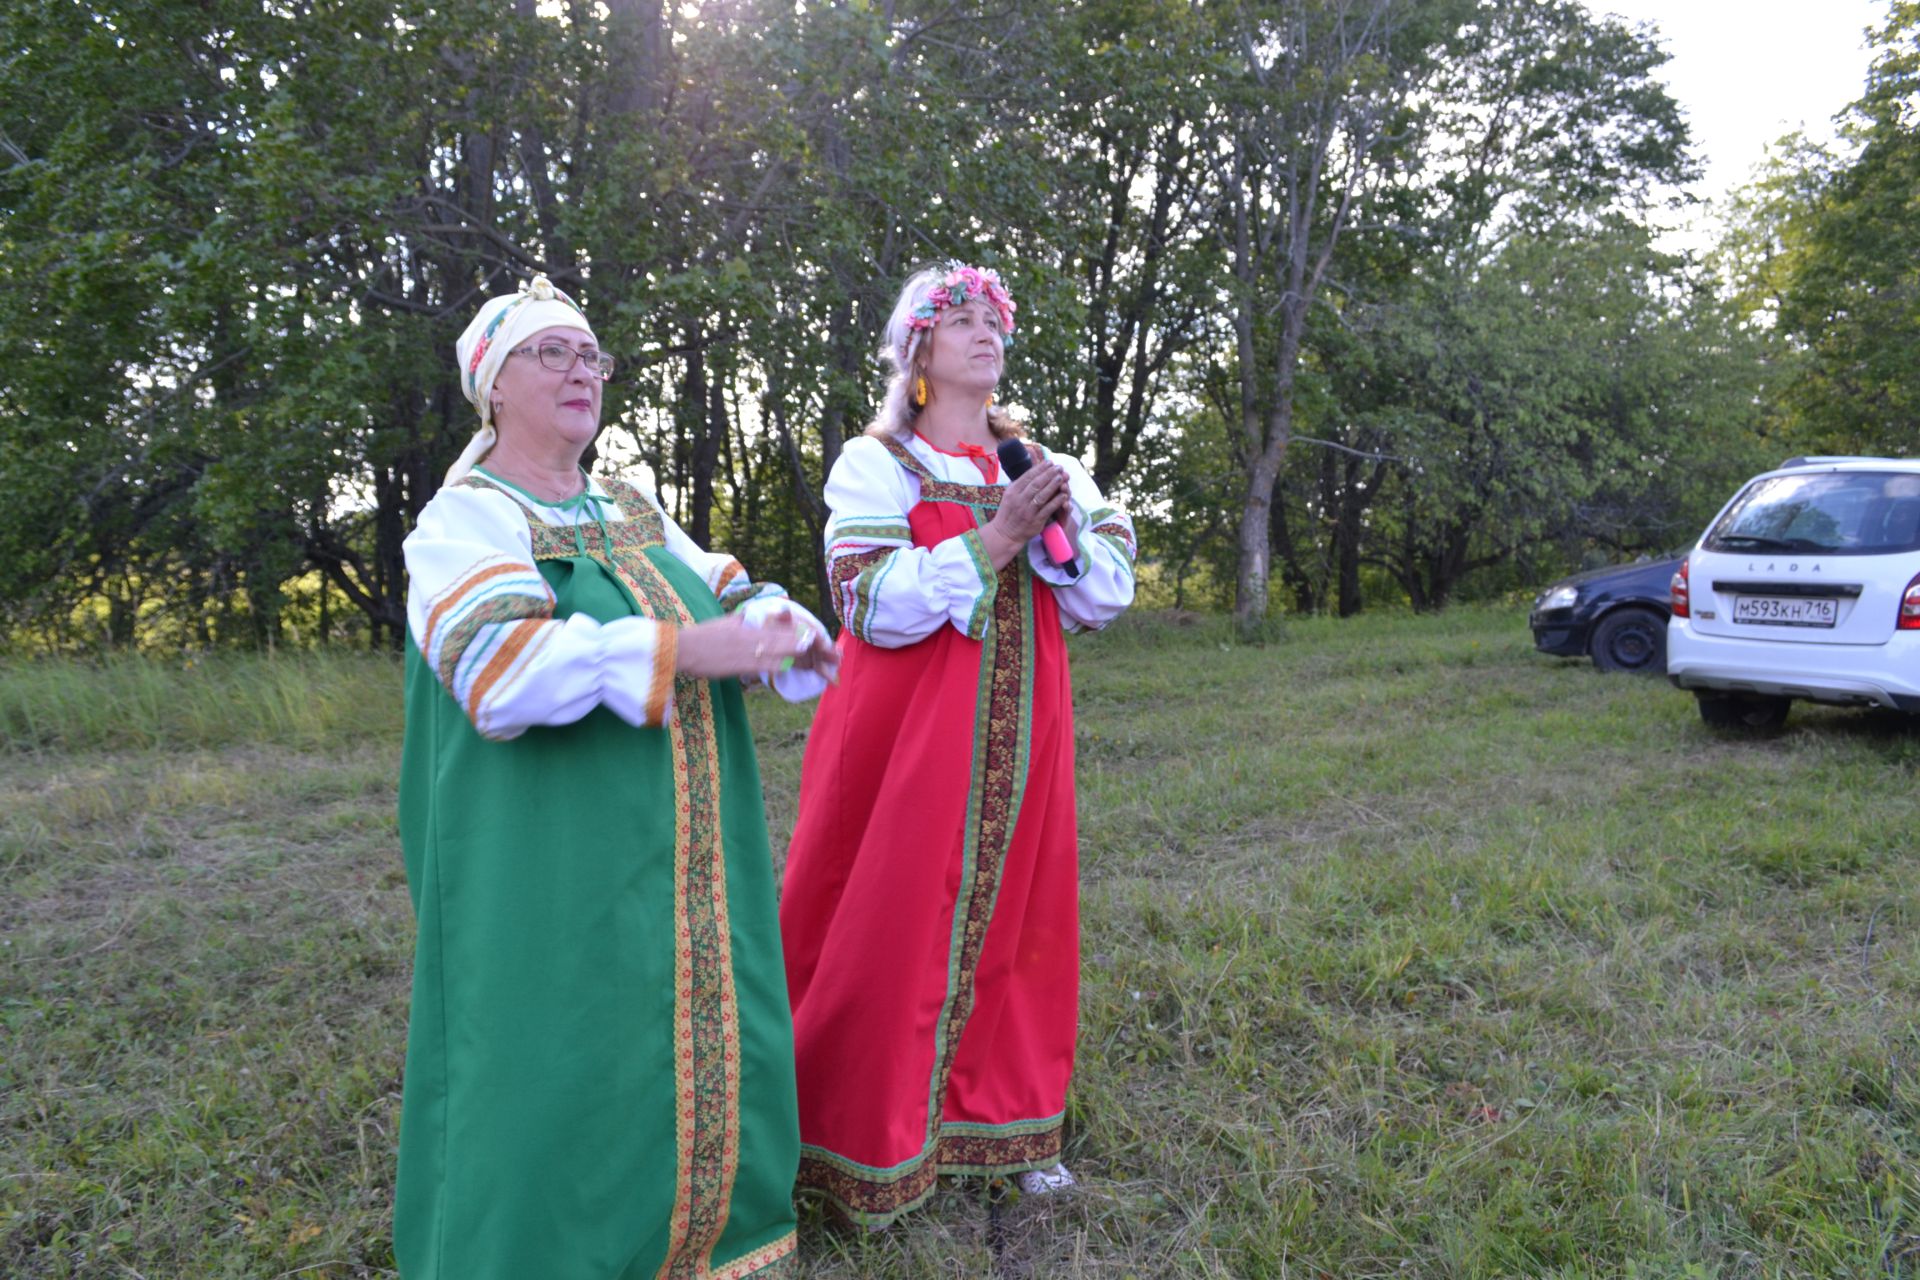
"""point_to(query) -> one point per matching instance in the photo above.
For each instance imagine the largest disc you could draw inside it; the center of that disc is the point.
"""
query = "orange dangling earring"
(989, 399)
(920, 390)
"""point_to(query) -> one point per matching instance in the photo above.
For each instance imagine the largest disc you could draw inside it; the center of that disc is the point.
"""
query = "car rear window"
(1834, 513)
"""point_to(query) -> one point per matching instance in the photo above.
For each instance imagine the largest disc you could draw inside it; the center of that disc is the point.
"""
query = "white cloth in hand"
(793, 684)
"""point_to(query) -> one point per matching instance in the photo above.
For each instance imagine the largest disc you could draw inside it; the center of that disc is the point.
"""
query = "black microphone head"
(1013, 455)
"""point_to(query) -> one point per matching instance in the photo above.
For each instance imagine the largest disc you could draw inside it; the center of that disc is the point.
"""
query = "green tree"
(1849, 251)
(1569, 390)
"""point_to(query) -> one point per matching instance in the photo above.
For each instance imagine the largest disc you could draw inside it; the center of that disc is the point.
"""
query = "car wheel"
(1631, 640)
(1746, 711)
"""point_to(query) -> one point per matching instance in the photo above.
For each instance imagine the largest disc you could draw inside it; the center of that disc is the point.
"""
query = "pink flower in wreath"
(960, 285)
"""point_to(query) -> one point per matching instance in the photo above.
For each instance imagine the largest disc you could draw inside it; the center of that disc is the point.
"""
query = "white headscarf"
(500, 326)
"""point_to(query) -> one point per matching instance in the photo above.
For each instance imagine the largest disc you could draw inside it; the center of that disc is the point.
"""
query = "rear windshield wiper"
(1755, 543)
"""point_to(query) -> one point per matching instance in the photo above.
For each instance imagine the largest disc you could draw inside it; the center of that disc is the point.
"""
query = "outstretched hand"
(811, 647)
(730, 647)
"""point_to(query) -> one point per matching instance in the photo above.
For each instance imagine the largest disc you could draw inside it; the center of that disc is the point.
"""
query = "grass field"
(1407, 952)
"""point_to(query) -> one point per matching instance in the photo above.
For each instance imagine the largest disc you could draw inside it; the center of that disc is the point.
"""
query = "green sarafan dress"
(599, 1078)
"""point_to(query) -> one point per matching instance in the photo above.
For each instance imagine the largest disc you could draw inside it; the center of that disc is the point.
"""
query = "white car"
(1806, 585)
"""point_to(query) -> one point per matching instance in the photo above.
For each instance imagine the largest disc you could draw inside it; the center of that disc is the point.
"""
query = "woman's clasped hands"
(1027, 506)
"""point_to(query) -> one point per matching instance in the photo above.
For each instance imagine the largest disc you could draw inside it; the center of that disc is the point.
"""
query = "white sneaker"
(1046, 1182)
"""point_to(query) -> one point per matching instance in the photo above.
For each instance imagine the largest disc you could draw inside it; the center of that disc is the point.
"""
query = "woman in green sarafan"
(599, 1080)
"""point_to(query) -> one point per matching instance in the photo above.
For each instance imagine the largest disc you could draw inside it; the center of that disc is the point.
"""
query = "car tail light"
(1910, 607)
(1677, 594)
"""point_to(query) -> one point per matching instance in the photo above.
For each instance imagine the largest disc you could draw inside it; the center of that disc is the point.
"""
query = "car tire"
(1745, 712)
(1631, 640)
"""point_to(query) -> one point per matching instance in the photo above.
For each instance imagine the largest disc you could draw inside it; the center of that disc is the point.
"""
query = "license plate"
(1786, 611)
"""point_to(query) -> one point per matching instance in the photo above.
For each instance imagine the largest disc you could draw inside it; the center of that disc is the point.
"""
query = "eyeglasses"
(559, 357)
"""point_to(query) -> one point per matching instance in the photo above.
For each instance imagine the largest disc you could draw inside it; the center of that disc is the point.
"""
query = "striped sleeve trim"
(741, 592)
(729, 570)
(519, 643)
(1120, 541)
(1116, 529)
(1113, 529)
(864, 529)
(482, 631)
(856, 582)
(861, 550)
(495, 575)
(666, 649)
(732, 587)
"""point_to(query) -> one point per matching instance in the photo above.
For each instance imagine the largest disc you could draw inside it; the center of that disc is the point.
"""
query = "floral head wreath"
(958, 287)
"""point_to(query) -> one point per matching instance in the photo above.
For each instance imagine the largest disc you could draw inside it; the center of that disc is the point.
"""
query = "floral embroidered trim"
(981, 497)
(641, 526)
(999, 774)
(995, 1153)
(1115, 528)
(989, 584)
(741, 592)
(706, 1007)
(710, 1046)
(871, 1196)
(872, 529)
(706, 1004)
(856, 584)
(641, 516)
(1002, 724)
(768, 1261)
(666, 650)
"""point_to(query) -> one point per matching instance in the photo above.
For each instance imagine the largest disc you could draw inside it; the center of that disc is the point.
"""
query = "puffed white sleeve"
(1106, 548)
(755, 602)
(482, 617)
(887, 591)
(724, 575)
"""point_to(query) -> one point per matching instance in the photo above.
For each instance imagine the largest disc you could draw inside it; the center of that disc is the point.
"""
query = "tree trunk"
(637, 36)
(1306, 597)
(695, 454)
(1346, 535)
(389, 557)
(706, 458)
(1256, 515)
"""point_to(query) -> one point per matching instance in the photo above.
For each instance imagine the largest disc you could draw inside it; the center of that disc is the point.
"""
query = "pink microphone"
(1017, 461)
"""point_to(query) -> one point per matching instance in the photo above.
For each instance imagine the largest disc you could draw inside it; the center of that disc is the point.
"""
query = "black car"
(1618, 614)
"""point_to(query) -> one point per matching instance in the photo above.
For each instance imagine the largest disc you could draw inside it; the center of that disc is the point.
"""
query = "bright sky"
(1748, 71)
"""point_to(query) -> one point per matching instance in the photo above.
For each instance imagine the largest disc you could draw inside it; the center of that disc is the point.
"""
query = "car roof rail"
(1823, 459)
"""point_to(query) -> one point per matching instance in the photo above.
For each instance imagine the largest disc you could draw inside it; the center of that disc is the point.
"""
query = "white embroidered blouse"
(482, 616)
(891, 593)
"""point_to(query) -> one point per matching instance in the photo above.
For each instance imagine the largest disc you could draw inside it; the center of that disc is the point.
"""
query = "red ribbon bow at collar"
(982, 458)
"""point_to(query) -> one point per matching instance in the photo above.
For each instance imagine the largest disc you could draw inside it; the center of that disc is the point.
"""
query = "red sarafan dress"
(930, 908)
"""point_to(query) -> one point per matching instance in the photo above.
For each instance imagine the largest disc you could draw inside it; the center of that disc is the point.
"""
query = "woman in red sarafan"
(930, 908)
